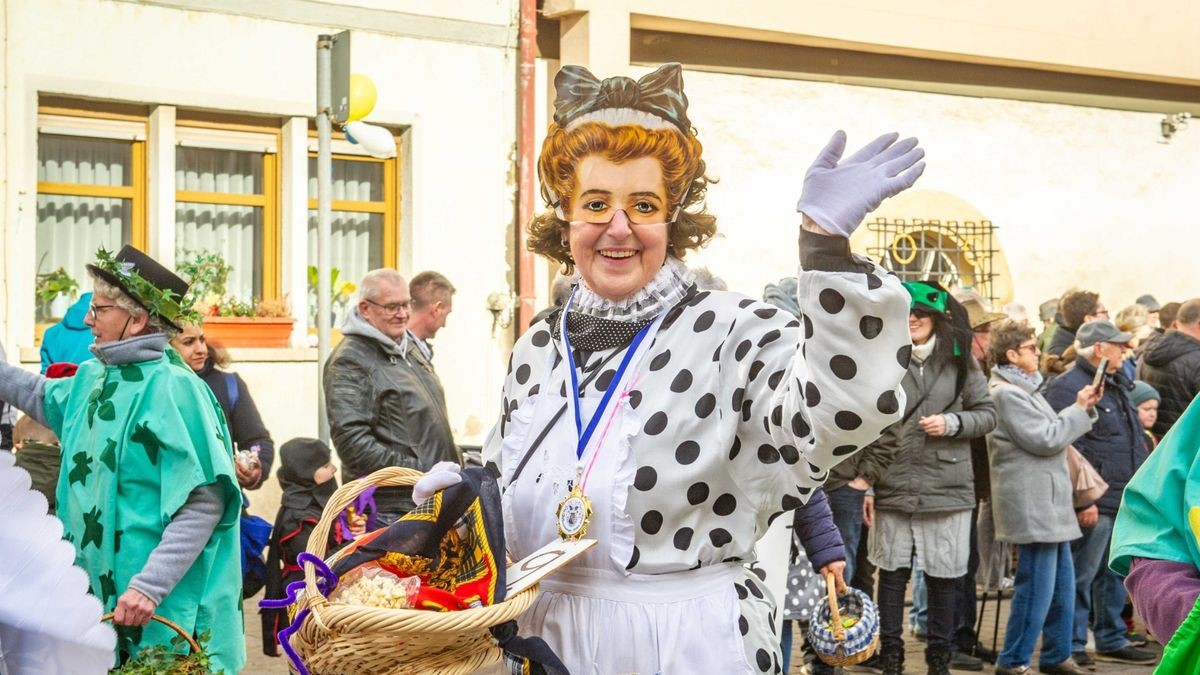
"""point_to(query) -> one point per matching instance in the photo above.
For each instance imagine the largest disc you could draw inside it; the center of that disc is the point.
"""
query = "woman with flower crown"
(146, 494)
(673, 425)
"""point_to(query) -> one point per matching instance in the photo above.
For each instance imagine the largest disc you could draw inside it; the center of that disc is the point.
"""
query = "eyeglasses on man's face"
(392, 307)
(1032, 347)
(96, 310)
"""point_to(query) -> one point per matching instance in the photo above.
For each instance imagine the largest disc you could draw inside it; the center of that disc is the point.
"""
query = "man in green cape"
(146, 492)
(1156, 543)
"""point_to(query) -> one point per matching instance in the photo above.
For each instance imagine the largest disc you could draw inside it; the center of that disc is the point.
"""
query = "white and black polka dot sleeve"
(808, 393)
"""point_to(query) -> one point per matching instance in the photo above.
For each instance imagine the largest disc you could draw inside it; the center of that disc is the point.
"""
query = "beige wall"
(1119, 37)
(1081, 196)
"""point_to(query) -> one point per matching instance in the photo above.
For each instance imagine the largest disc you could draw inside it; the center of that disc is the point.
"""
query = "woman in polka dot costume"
(729, 411)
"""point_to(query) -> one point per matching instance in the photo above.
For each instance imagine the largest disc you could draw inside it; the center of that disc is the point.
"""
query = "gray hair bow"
(659, 93)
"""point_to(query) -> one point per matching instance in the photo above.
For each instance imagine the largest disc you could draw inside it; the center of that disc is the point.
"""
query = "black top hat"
(155, 288)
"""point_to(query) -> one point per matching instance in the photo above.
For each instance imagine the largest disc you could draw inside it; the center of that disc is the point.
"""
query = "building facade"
(185, 127)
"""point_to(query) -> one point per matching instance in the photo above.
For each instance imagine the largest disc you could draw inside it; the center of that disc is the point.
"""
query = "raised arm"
(1028, 426)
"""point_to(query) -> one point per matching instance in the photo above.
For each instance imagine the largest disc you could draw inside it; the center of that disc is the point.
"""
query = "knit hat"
(1143, 392)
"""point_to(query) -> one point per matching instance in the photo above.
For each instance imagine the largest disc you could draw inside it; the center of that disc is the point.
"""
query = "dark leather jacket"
(384, 410)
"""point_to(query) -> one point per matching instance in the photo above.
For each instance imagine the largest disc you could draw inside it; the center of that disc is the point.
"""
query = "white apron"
(597, 617)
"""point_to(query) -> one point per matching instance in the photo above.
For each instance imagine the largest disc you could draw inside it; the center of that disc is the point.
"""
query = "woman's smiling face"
(618, 230)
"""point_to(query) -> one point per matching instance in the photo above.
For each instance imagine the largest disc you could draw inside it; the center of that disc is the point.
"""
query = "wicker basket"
(834, 646)
(352, 639)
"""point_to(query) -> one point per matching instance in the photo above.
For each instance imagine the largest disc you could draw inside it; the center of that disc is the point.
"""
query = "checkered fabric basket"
(844, 646)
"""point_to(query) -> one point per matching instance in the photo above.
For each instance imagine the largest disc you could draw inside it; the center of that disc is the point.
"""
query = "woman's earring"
(565, 244)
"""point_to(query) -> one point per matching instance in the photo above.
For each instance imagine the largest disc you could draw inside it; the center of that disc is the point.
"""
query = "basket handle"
(839, 633)
(192, 644)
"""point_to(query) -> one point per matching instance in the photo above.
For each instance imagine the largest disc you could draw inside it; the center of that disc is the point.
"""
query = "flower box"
(238, 331)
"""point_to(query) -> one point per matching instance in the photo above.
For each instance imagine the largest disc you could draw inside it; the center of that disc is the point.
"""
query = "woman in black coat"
(245, 423)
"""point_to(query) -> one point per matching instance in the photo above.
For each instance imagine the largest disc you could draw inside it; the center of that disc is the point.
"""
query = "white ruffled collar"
(663, 291)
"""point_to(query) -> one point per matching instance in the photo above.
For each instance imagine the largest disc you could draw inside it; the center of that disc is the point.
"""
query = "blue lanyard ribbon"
(585, 435)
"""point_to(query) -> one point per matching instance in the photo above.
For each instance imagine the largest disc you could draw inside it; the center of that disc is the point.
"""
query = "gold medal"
(573, 515)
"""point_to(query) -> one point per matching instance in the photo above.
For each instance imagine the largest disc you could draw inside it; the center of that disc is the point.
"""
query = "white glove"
(837, 195)
(440, 477)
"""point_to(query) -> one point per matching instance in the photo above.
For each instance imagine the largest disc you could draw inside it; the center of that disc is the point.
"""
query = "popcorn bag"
(373, 586)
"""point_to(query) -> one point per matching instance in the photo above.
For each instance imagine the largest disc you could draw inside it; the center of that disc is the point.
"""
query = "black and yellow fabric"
(454, 542)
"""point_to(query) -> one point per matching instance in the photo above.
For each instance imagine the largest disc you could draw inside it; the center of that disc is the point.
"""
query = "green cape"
(1159, 519)
(137, 439)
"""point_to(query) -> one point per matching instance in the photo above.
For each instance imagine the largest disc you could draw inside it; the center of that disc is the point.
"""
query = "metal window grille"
(956, 254)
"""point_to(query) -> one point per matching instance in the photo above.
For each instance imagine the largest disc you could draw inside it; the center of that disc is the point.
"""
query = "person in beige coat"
(1032, 501)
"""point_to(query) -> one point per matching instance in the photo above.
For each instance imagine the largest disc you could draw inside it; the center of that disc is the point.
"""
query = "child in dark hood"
(306, 474)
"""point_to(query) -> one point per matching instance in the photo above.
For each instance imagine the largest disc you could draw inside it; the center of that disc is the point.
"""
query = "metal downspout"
(526, 296)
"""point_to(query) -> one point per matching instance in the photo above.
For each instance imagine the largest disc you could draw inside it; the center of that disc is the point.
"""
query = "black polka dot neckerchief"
(592, 334)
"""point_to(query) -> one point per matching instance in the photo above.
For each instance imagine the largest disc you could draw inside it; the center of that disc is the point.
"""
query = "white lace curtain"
(71, 228)
(357, 236)
(233, 231)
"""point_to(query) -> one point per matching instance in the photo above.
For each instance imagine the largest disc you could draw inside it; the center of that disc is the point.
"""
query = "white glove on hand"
(838, 196)
(440, 477)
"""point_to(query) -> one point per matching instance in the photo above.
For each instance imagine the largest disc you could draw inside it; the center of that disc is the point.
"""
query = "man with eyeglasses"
(384, 408)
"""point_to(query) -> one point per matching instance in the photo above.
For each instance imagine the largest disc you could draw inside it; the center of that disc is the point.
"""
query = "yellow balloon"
(362, 97)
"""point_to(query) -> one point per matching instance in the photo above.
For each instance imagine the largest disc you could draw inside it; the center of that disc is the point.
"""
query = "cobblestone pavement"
(259, 664)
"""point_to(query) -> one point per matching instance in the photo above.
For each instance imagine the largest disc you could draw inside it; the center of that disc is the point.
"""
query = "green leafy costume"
(1159, 519)
(139, 438)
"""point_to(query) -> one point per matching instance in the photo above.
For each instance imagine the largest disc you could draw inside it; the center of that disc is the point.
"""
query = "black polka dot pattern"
(832, 301)
(727, 399)
(646, 478)
(652, 522)
(682, 381)
(888, 404)
(742, 350)
(767, 454)
(659, 362)
(683, 538)
(843, 366)
(812, 395)
(657, 423)
(687, 452)
(847, 421)
(870, 327)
